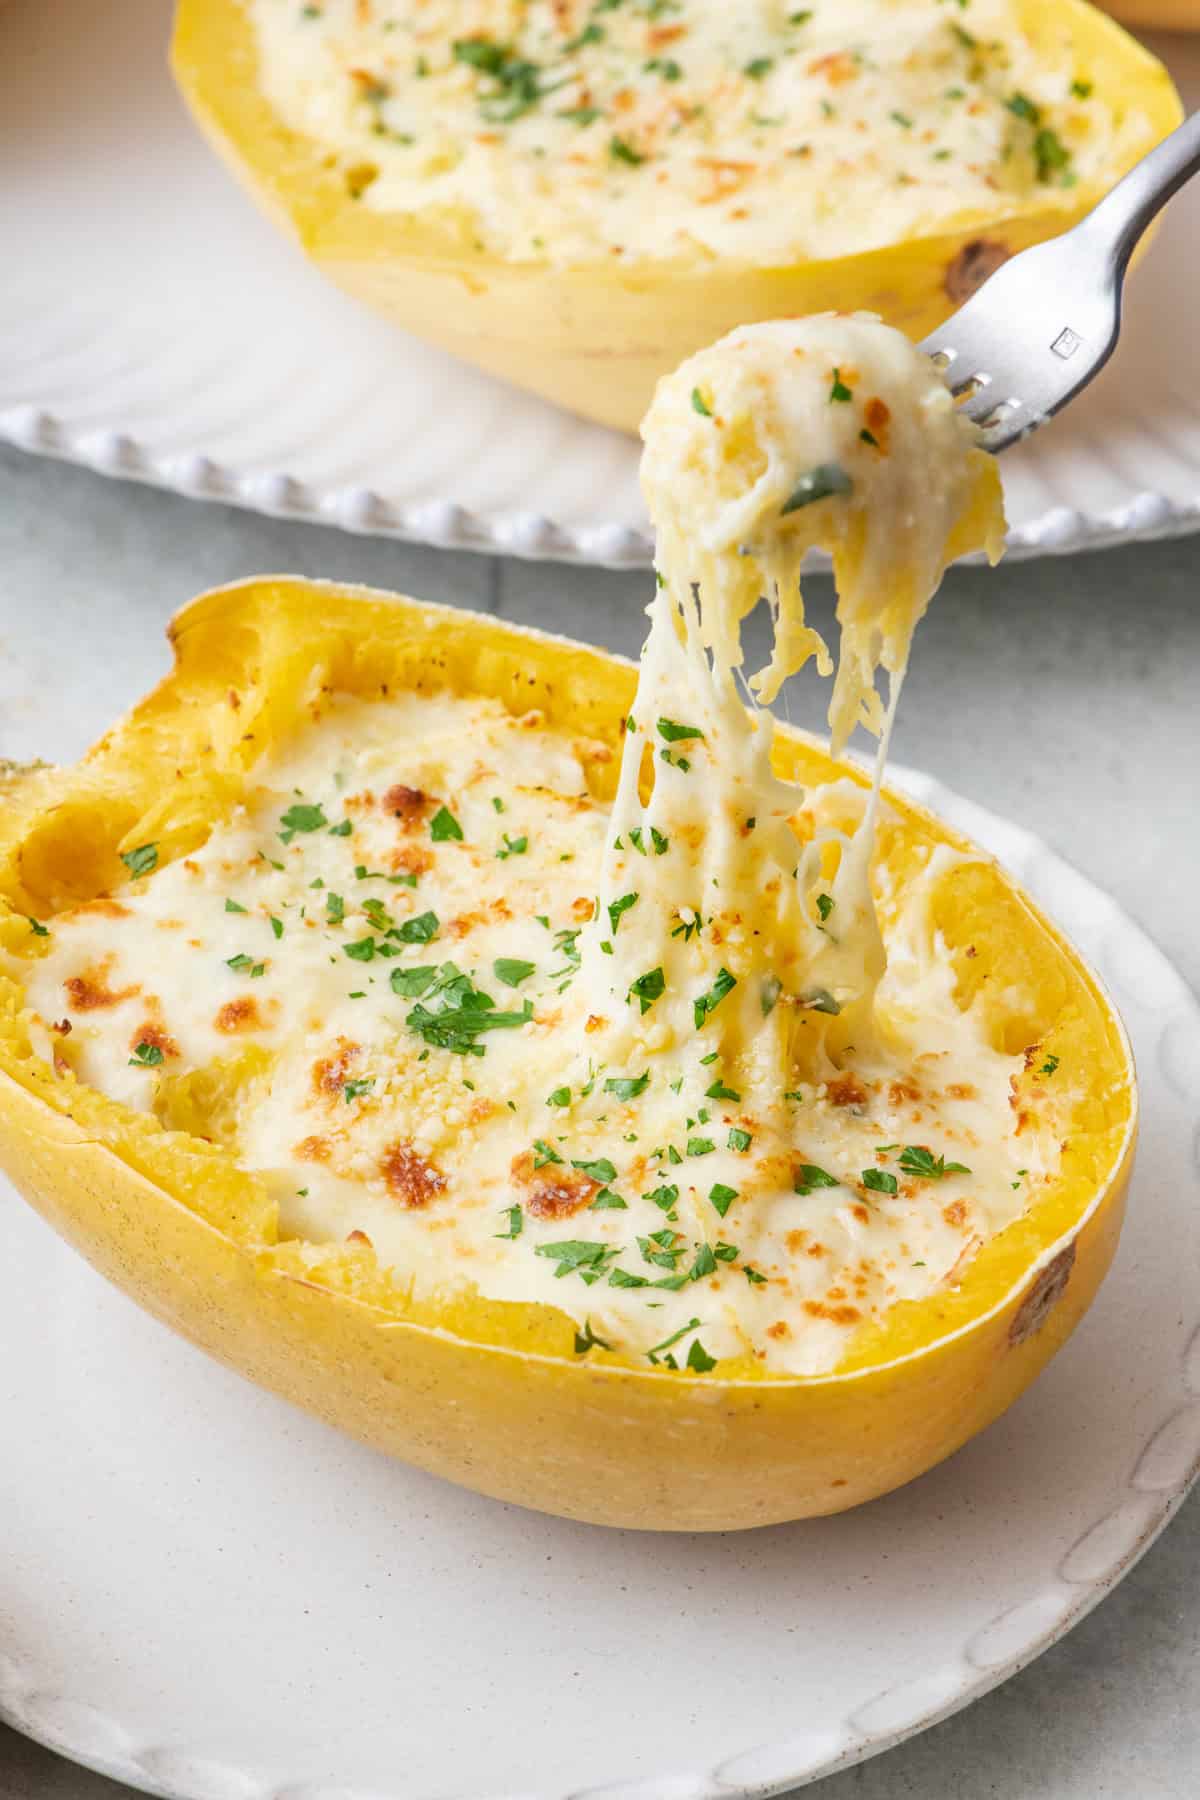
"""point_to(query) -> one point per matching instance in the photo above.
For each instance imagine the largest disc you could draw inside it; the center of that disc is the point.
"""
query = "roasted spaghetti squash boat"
(552, 1072)
(578, 196)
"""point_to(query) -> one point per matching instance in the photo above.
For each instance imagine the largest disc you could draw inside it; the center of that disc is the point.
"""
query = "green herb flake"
(676, 733)
(700, 405)
(146, 1056)
(586, 1340)
(301, 818)
(721, 1197)
(516, 1223)
(839, 393)
(444, 828)
(809, 1176)
(512, 971)
(827, 481)
(647, 989)
(708, 1003)
(880, 1181)
(916, 1159)
(419, 930)
(627, 1087)
(142, 860)
(739, 1139)
(618, 907)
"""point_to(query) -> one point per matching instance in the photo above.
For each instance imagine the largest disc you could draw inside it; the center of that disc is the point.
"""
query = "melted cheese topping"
(680, 129)
(701, 1103)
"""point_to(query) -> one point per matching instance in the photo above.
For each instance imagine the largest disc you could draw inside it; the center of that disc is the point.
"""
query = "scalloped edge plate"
(182, 341)
(67, 1694)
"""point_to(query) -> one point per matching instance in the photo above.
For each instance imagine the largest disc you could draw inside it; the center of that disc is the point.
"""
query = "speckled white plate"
(213, 1597)
(153, 325)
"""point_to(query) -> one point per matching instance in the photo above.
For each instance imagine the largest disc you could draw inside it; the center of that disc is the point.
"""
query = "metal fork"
(1048, 320)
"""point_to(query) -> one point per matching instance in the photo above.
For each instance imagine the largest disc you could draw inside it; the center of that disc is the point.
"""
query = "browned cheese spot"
(89, 992)
(554, 1191)
(239, 1015)
(411, 1178)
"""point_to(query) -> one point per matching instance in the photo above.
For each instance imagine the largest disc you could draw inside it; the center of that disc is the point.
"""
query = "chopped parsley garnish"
(709, 1002)
(839, 393)
(700, 1146)
(578, 1256)
(739, 1139)
(759, 67)
(753, 1276)
(232, 906)
(142, 860)
(700, 405)
(617, 907)
(299, 818)
(663, 1197)
(880, 1181)
(543, 1154)
(245, 965)
(621, 150)
(335, 908)
(718, 1091)
(455, 1014)
(820, 1000)
(627, 1087)
(36, 926)
(722, 1197)
(511, 847)
(146, 1056)
(276, 926)
(586, 1340)
(698, 1359)
(809, 1176)
(354, 1090)
(361, 950)
(1051, 155)
(915, 1159)
(1049, 1066)
(647, 989)
(608, 1201)
(825, 905)
(420, 930)
(412, 983)
(705, 1263)
(822, 483)
(560, 1097)
(516, 1223)
(768, 994)
(674, 1338)
(444, 828)
(660, 843)
(511, 970)
(676, 734)
(599, 1169)
(342, 830)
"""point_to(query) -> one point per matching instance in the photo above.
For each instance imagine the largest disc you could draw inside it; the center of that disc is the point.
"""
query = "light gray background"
(1061, 693)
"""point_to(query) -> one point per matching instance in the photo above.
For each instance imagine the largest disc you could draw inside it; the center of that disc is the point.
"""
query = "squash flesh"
(596, 338)
(193, 1238)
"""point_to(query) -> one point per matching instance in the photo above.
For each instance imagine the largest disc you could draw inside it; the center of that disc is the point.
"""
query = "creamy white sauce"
(785, 1122)
(753, 129)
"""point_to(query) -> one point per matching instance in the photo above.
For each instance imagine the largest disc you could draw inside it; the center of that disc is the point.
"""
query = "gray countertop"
(1060, 693)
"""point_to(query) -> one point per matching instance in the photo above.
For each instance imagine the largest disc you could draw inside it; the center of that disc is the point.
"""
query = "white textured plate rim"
(19, 1694)
(530, 536)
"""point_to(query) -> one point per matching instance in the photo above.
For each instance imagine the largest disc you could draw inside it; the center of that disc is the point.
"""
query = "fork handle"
(1122, 217)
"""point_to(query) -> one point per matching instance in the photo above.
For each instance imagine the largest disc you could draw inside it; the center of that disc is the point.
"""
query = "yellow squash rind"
(595, 338)
(492, 1394)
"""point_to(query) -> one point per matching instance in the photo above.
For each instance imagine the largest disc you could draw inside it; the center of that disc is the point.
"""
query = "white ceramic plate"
(211, 1596)
(153, 325)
